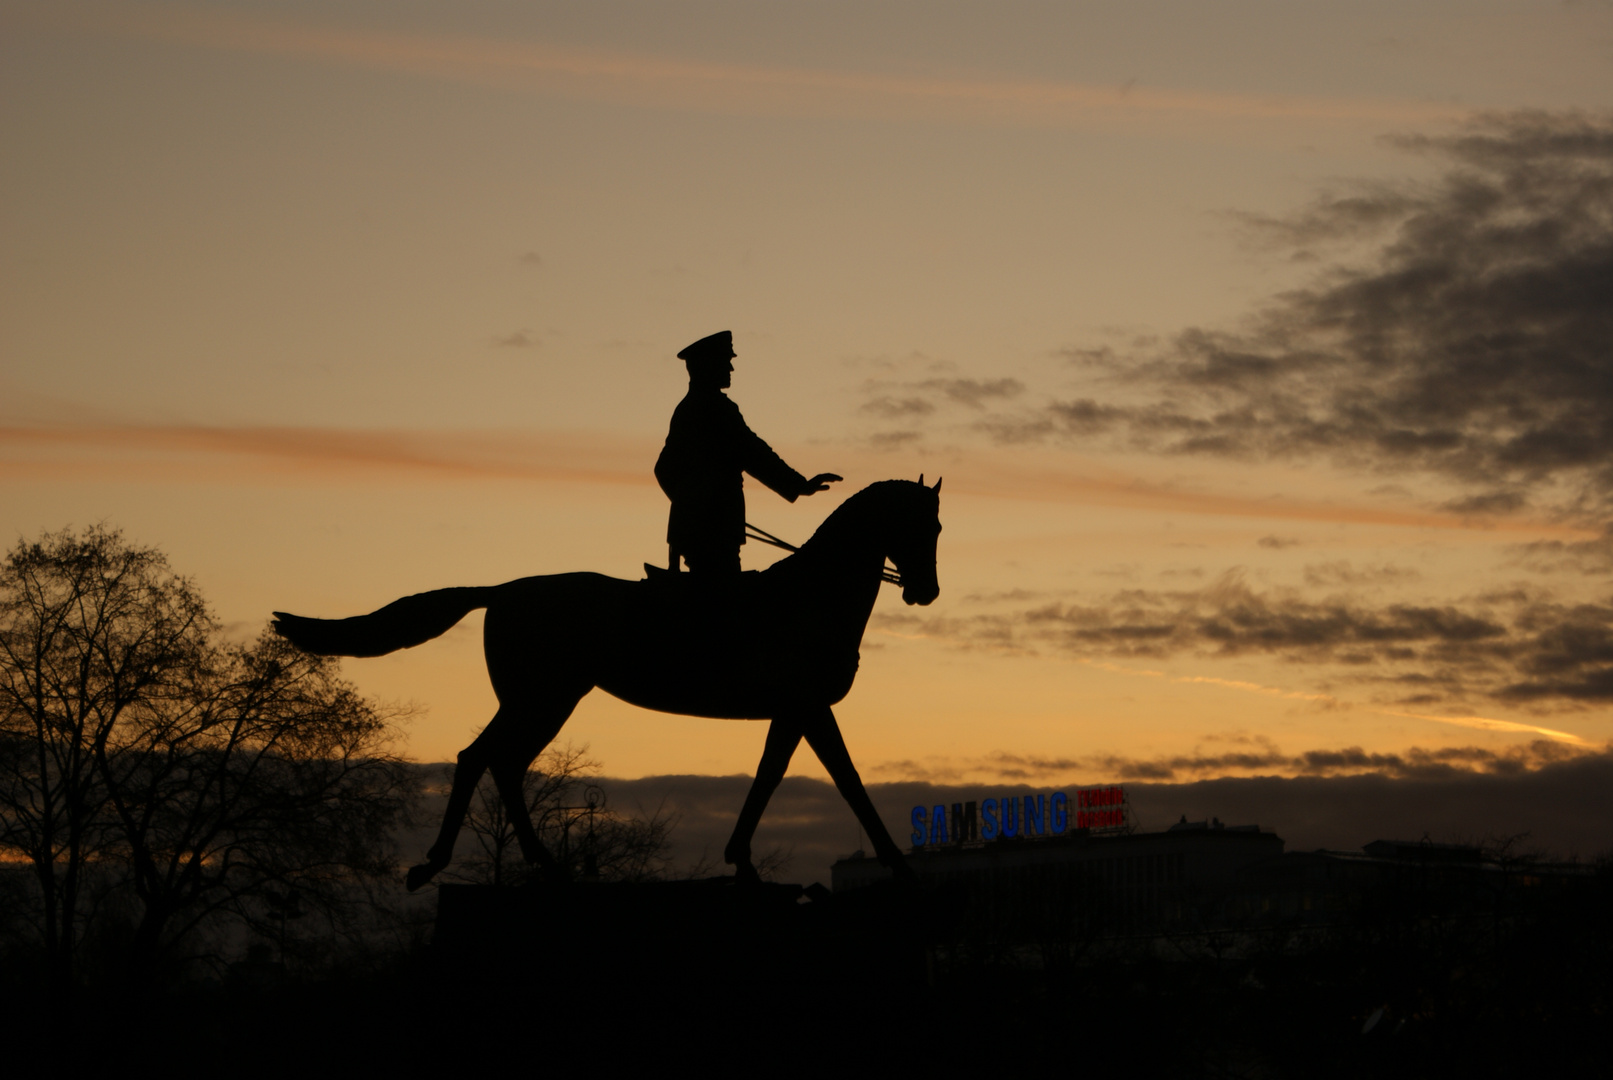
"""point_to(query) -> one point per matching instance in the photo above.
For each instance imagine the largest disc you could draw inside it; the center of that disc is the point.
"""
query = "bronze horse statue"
(779, 645)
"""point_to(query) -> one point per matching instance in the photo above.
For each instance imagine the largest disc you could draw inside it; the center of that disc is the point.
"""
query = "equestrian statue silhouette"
(778, 645)
(708, 447)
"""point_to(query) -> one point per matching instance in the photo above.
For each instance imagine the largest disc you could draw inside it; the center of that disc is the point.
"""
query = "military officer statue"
(707, 449)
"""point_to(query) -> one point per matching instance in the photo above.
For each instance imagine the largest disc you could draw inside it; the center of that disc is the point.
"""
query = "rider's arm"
(758, 459)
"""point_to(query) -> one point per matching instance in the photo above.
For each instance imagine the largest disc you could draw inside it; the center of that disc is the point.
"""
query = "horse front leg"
(823, 735)
(783, 736)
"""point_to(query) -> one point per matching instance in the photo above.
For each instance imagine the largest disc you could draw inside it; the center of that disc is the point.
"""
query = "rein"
(753, 533)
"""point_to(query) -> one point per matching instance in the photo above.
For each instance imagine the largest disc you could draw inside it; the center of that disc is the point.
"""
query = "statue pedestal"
(663, 917)
(711, 937)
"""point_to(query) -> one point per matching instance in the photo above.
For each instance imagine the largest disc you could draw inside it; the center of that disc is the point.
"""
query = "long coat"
(708, 448)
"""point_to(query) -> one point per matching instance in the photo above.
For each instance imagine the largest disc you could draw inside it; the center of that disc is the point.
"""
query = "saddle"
(684, 602)
(660, 577)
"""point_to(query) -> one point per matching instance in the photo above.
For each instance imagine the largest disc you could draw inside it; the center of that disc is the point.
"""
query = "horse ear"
(937, 488)
(921, 479)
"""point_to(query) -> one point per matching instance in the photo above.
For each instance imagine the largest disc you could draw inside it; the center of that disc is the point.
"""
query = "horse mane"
(853, 515)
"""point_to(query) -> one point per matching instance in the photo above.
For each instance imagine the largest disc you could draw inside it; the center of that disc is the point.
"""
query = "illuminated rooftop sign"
(1092, 809)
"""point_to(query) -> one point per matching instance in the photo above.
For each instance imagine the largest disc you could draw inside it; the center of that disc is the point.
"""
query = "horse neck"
(845, 556)
(851, 540)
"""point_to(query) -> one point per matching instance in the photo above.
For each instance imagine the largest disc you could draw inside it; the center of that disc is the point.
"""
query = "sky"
(1265, 348)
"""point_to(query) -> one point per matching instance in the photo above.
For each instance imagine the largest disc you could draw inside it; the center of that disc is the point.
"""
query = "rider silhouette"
(707, 449)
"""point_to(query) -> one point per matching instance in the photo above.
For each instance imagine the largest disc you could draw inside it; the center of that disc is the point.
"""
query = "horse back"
(681, 646)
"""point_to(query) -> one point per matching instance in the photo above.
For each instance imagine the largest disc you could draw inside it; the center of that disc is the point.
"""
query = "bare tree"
(92, 632)
(142, 758)
(277, 783)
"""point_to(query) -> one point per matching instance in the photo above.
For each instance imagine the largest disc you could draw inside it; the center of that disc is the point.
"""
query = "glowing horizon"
(336, 304)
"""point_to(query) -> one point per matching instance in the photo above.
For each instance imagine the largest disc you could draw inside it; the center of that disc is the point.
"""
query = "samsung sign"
(1017, 816)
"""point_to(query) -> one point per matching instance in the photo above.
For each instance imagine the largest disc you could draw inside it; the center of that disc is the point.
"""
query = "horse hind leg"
(468, 769)
(512, 739)
(539, 723)
(509, 776)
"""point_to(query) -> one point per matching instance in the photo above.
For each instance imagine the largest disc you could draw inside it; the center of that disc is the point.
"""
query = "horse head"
(896, 520)
(914, 526)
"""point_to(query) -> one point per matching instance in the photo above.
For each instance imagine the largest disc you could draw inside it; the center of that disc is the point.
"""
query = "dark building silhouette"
(1197, 876)
(1394, 879)
(1025, 888)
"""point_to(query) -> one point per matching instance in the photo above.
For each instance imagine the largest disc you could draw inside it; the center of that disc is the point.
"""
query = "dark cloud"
(1099, 356)
(1369, 211)
(521, 339)
(1347, 798)
(1015, 595)
(530, 258)
(1261, 755)
(892, 407)
(893, 440)
(1563, 806)
(1084, 417)
(1570, 654)
(1487, 503)
(1277, 543)
(1476, 343)
(973, 392)
(1341, 572)
(1010, 429)
(1513, 646)
(913, 399)
(1591, 557)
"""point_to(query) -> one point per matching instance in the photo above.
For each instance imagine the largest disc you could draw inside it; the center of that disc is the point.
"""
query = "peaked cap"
(719, 344)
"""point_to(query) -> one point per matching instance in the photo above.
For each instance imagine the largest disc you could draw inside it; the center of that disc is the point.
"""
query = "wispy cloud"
(1343, 573)
(659, 81)
(105, 446)
(324, 453)
(1486, 723)
(1589, 557)
(1482, 723)
(1513, 649)
(1014, 473)
(1257, 757)
(520, 339)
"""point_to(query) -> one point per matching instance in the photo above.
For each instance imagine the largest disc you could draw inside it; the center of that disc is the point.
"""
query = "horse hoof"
(419, 875)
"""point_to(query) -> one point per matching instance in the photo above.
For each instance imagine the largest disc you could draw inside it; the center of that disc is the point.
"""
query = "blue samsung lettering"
(918, 826)
(1010, 817)
(988, 819)
(1036, 815)
(938, 826)
(1059, 813)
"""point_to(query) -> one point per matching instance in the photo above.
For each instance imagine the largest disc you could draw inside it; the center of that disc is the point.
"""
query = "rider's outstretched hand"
(821, 482)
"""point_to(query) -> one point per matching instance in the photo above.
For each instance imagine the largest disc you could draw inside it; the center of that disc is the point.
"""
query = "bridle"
(887, 573)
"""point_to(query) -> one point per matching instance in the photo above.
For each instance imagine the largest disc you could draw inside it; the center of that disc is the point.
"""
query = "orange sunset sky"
(1265, 348)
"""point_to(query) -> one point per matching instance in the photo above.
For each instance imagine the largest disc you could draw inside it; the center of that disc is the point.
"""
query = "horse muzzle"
(921, 594)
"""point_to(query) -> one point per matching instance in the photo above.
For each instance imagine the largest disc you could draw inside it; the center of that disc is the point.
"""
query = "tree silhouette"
(572, 815)
(148, 768)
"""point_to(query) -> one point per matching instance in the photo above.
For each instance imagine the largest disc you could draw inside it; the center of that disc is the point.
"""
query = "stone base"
(709, 933)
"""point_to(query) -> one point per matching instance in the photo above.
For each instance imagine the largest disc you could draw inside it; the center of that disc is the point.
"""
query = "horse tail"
(402, 624)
